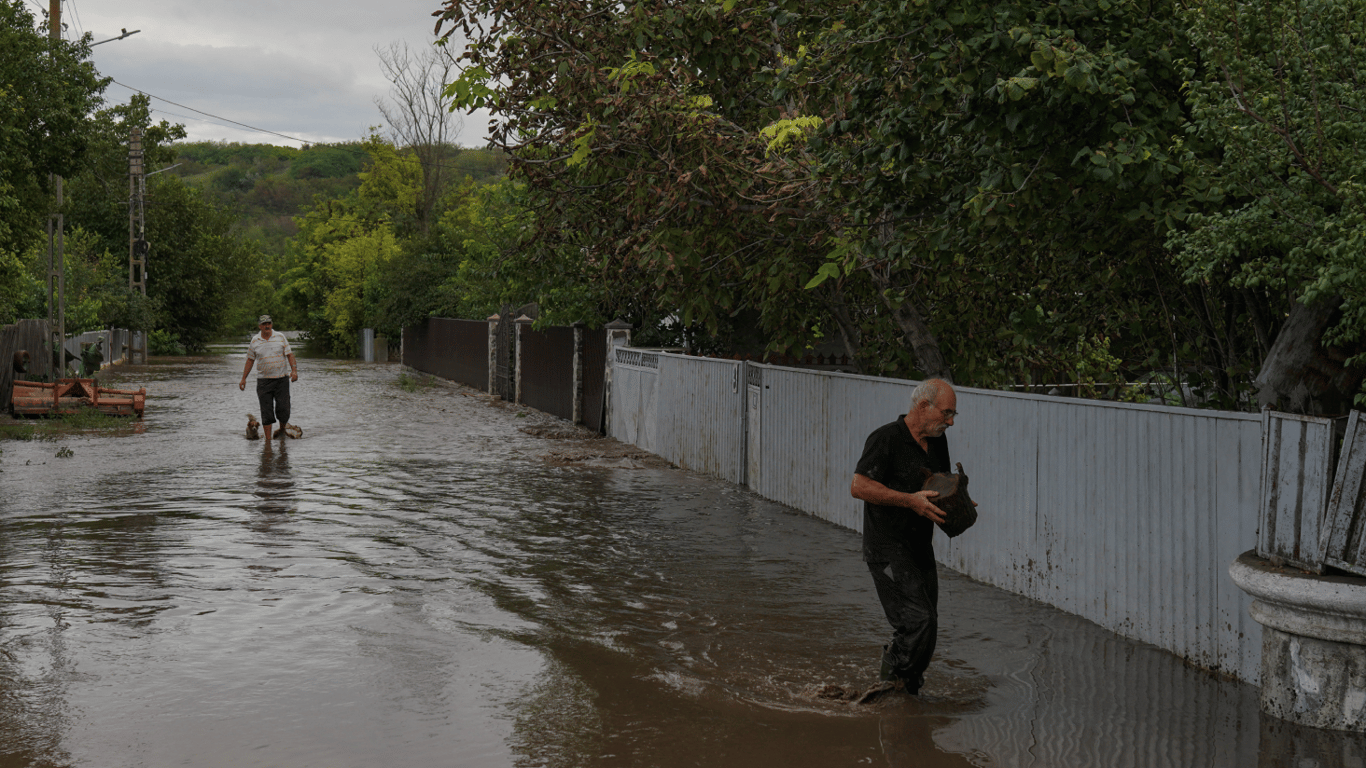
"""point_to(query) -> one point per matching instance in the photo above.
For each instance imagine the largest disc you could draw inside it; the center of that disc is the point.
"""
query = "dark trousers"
(909, 590)
(274, 397)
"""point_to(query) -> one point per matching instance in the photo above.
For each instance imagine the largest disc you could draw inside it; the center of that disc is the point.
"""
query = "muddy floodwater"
(431, 579)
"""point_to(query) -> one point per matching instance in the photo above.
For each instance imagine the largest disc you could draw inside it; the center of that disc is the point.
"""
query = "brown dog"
(253, 427)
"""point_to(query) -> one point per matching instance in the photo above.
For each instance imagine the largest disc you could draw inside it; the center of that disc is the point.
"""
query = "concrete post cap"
(1325, 607)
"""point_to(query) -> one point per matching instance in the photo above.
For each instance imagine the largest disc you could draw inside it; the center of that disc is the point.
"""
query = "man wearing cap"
(277, 368)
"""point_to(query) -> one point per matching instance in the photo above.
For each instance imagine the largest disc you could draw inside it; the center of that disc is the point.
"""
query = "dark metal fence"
(28, 336)
(452, 349)
(547, 376)
(594, 355)
(461, 350)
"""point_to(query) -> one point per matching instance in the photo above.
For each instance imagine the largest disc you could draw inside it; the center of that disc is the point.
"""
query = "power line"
(216, 117)
(186, 117)
(77, 15)
(254, 128)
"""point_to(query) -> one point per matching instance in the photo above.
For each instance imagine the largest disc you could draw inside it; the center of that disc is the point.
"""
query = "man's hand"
(294, 375)
(920, 504)
(242, 385)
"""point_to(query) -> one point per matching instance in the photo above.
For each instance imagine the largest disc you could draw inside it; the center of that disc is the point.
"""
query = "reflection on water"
(411, 584)
(274, 485)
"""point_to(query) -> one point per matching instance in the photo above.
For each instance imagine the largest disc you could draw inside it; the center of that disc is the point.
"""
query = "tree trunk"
(924, 345)
(849, 332)
(1300, 374)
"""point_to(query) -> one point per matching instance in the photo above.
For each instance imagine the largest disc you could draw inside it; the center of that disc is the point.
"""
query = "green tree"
(343, 244)
(47, 90)
(643, 157)
(1279, 89)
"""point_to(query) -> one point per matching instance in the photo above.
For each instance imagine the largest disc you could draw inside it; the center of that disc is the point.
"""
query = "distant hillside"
(267, 185)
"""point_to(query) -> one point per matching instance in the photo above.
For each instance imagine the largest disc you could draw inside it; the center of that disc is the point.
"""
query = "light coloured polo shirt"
(271, 355)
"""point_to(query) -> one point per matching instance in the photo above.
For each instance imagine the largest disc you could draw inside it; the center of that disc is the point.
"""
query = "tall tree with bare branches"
(418, 115)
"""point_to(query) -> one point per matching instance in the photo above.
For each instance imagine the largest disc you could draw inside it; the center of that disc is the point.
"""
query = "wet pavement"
(414, 583)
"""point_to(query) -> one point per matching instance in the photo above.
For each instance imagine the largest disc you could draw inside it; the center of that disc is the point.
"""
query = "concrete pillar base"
(1313, 643)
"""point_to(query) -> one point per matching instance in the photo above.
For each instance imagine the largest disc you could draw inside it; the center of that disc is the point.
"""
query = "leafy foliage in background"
(47, 90)
(1280, 90)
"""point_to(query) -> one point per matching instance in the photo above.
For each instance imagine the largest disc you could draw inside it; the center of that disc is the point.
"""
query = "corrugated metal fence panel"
(857, 406)
(1297, 476)
(547, 375)
(1343, 534)
(996, 442)
(1127, 515)
(1237, 489)
(701, 415)
(795, 467)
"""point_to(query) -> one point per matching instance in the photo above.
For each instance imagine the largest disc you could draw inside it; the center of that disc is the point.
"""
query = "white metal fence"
(1127, 515)
(114, 343)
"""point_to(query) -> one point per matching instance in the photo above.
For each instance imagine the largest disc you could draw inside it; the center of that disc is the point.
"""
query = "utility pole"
(56, 228)
(137, 237)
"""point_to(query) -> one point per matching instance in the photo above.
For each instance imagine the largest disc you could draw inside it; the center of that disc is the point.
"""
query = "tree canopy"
(1022, 193)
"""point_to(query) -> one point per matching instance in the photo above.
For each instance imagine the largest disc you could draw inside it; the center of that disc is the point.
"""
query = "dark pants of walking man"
(908, 589)
(274, 397)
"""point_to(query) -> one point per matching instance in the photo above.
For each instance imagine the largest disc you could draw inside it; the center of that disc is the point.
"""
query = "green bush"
(164, 343)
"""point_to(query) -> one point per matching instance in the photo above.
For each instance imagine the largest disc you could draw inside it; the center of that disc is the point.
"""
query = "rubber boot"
(887, 673)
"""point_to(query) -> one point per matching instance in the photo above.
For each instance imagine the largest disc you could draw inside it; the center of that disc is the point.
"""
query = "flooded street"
(415, 584)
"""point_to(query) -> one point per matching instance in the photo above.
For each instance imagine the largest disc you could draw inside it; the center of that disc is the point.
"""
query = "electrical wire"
(75, 14)
(254, 128)
(186, 117)
(207, 114)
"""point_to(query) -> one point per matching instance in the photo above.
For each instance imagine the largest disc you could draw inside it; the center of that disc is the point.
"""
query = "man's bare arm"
(243, 383)
(867, 489)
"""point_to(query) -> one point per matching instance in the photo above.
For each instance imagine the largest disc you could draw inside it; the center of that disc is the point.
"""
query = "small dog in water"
(253, 427)
(294, 432)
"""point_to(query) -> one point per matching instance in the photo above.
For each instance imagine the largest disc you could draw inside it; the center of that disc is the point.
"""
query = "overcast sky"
(303, 68)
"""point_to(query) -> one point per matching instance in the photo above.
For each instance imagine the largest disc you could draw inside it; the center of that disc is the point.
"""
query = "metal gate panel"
(795, 468)
(456, 350)
(594, 378)
(1344, 536)
(634, 375)
(547, 375)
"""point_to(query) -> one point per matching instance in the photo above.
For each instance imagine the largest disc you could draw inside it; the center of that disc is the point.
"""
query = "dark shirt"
(892, 457)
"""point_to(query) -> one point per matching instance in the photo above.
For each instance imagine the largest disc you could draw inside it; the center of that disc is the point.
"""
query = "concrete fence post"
(578, 371)
(618, 335)
(522, 322)
(493, 351)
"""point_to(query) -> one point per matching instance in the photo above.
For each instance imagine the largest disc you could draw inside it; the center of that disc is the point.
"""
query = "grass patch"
(50, 428)
(414, 383)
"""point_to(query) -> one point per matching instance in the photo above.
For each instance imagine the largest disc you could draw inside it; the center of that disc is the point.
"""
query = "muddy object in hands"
(953, 500)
